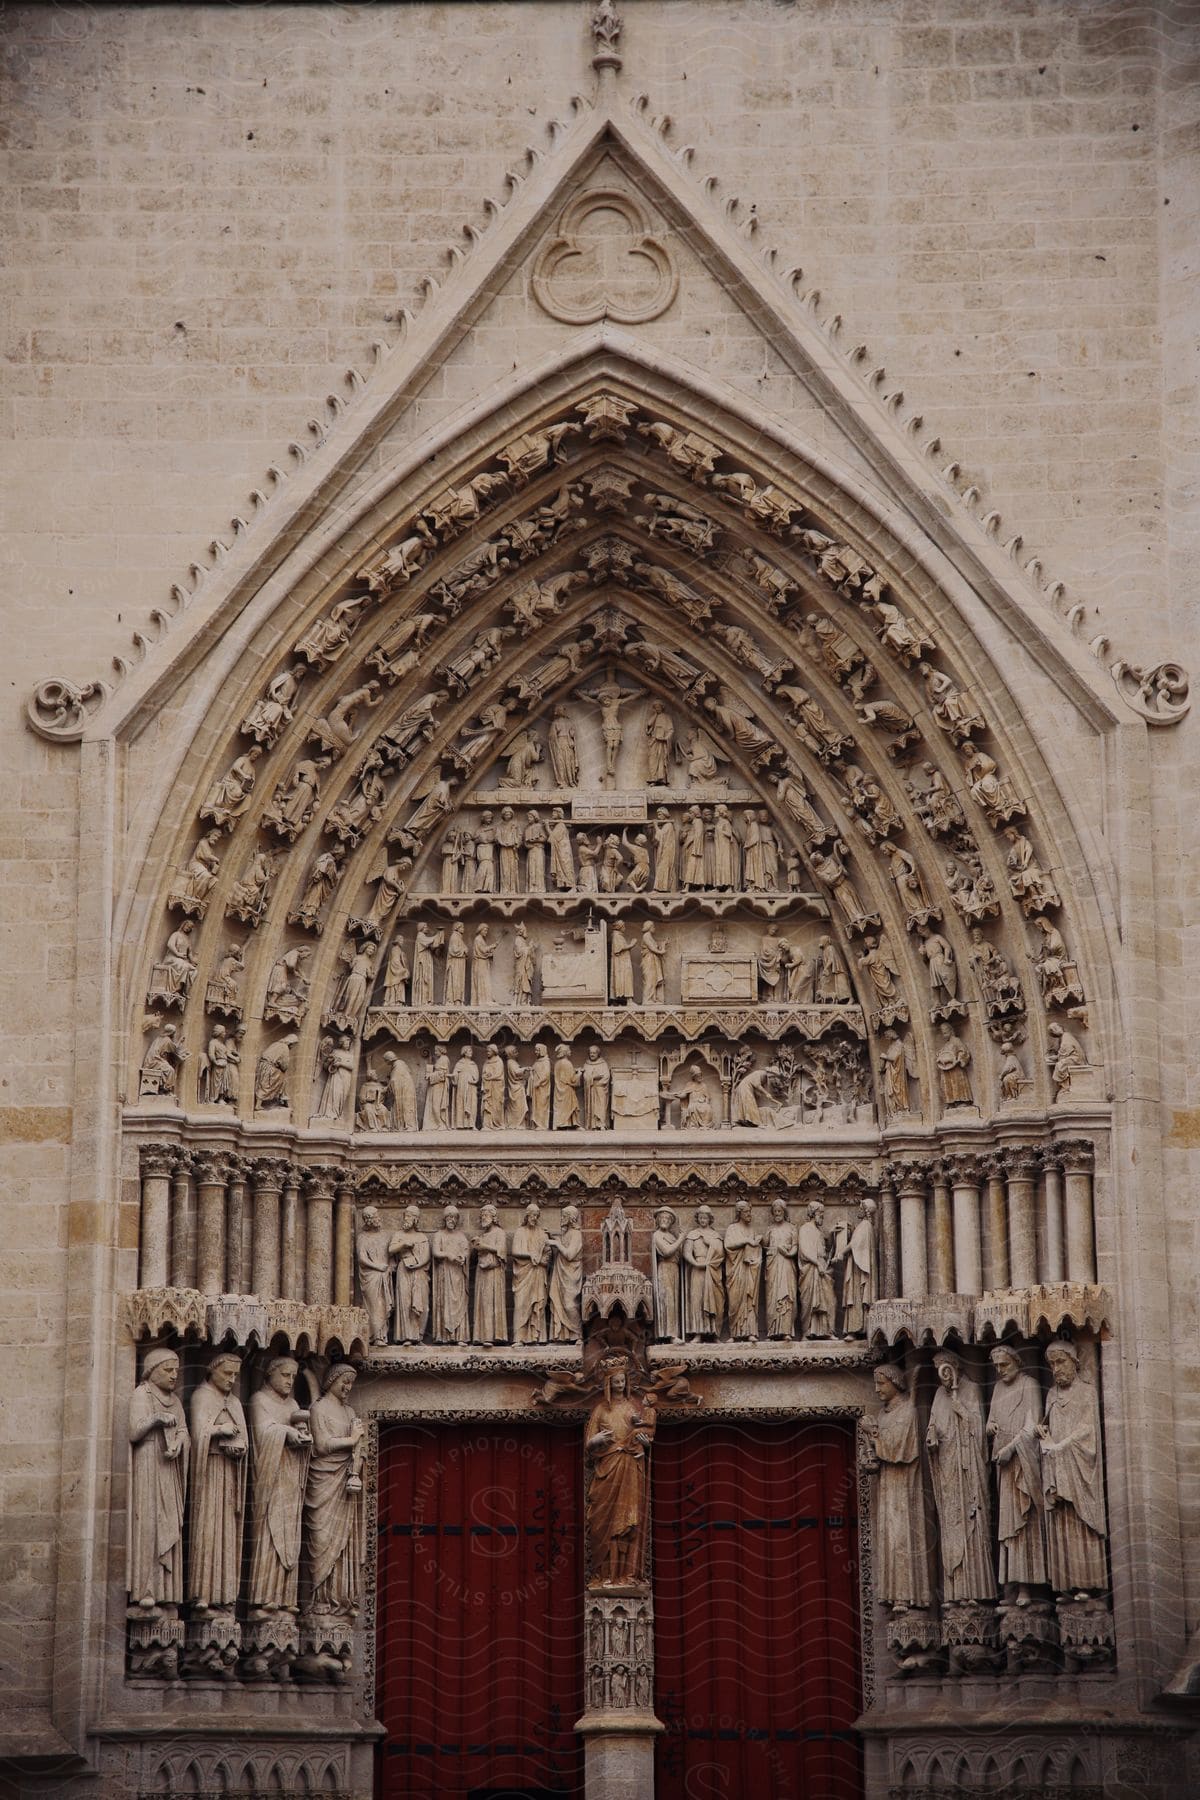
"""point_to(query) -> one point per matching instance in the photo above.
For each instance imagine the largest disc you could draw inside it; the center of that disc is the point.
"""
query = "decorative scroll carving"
(60, 710)
(1160, 695)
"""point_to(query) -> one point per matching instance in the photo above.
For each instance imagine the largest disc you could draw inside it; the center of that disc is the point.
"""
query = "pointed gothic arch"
(622, 493)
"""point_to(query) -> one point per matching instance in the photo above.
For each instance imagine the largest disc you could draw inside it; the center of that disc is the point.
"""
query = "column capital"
(1077, 1156)
(321, 1180)
(909, 1177)
(270, 1173)
(212, 1167)
(1022, 1162)
(964, 1168)
(158, 1159)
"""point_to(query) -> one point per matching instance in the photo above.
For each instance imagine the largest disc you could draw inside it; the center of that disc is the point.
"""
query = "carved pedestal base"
(326, 1647)
(270, 1643)
(1029, 1635)
(969, 1634)
(914, 1636)
(1085, 1630)
(619, 1726)
(155, 1641)
(214, 1643)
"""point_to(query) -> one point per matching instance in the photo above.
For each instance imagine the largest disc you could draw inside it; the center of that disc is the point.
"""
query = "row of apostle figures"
(1045, 1523)
(188, 1479)
(789, 1278)
(460, 1282)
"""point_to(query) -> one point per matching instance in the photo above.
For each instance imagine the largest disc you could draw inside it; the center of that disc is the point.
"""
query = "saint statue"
(1012, 1432)
(451, 1250)
(816, 1283)
(334, 1535)
(860, 1285)
(902, 1579)
(619, 1433)
(959, 1471)
(530, 1260)
(704, 1294)
(410, 1247)
(282, 1446)
(596, 1080)
(1072, 1481)
(665, 1248)
(566, 1090)
(743, 1272)
(217, 1499)
(781, 1273)
(491, 1263)
(566, 1280)
(374, 1273)
(158, 1469)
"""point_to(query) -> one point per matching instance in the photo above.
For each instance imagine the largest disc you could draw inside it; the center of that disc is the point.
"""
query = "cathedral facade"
(601, 1087)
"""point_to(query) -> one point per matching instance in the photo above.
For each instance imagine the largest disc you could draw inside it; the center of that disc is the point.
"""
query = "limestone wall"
(211, 212)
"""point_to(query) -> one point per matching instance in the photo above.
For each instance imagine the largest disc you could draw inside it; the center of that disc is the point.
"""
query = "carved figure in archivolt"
(704, 1283)
(1072, 1478)
(816, 1281)
(897, 1066)
(743, 1272)
(619, 1433)
(959, 1473)
(782, 1290)
(1057, 970)
(217, 1499)
(1066, 1059)
(902, 1571)
(282, 1445)
(323, 877)
(337, 1061)
(374, 1273)
(860, 1276)
(1029, 882)
(410, 1251)
(190, 889)
(223, 992)
(160, 1066)
(158, 1471)
(490, 1246)
(172, 976)
(451, 1248)
(333, 1497)
(268, 717)
(271, 1072)
(219, 1062)
(1012, 1432)
(229, 796)
(953, 1061)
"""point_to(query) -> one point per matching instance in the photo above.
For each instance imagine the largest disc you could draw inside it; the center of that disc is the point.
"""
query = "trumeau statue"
(959, 1473)
(1072, 1478)
(282, 1446)
(333, 1497)
(1012, 1432)
(617, 1438)
(217, 1501)
(902, 1571)
(158, 1471)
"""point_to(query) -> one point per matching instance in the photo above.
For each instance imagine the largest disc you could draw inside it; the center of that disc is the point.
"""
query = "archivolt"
(606, 524)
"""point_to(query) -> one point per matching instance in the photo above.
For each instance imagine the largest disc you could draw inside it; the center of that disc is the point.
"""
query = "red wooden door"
(480, 1665)
(756, 1612)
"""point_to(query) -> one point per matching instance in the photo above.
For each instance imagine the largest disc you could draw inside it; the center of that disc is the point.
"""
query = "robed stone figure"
(1076, 1527)
(282, 1446)
(451, 1249)
(217, 1501)
(158, 1469)
(816, 1283)
(1012, 1433)
(704, 1292)
(566, 1279)
(619, 1433)
(781, 1273)
(743, 1272)
(530, 1267)
(374, 1273)
(666, 1247)
(333, 1497)
(959, 1472)
(410, 1247)
(859, 1278)
(491, 1264)
(903, 1571)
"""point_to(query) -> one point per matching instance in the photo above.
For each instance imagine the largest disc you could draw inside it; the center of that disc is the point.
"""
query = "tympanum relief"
(536, 797)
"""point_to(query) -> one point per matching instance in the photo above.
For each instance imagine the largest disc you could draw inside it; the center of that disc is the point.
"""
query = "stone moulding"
(1020, 1311)
(247, 1319)
(933, 1320)
(643, 255)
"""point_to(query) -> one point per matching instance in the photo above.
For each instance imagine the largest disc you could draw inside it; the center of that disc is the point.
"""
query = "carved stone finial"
(60, 710)
(606, 35)
(1159, 694)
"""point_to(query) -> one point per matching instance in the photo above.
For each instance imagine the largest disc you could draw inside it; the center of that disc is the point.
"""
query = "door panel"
(480, 1665)
(756, 1612)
